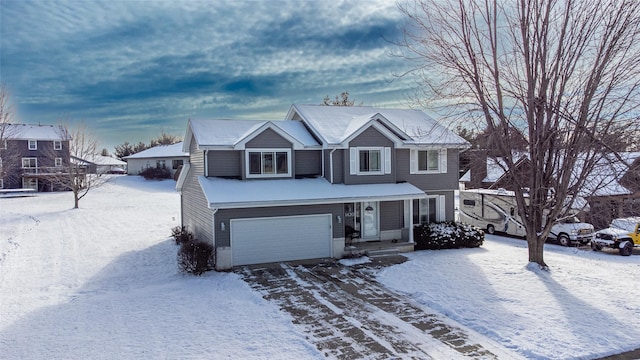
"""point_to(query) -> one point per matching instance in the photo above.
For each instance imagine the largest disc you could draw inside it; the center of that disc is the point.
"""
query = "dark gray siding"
(225, 163)
(224, 215)
(338, 164)
(196, 215)
(45, 153)
(308, 162)
(391, 215)
(426, 182)
(371, 138)
(268, 139)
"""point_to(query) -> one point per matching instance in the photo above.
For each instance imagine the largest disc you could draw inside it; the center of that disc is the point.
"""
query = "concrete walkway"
(349, 315)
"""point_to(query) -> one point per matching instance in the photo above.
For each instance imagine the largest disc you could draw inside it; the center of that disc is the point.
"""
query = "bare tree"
(342, 100)
(564, 74)
(8, 156)
(78, 176)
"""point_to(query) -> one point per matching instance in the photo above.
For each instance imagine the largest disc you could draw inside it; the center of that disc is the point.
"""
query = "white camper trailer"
(497, 210)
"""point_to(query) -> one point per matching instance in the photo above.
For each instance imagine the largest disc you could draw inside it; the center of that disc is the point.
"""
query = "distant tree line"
(126, 148)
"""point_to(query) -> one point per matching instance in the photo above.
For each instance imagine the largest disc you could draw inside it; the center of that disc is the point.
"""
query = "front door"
(370, 221)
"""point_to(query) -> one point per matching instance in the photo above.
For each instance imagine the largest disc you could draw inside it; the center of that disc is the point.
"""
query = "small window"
(428, 160)
(370, 161)
(268, 163)
(176, 164)
(33, 145)
(58, 162)
(428, 210)
(29, 162)
(160, 164)
(57, 145)
(469, 202)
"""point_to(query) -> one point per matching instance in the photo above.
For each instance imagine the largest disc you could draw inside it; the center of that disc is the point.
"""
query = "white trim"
(241, 144)
(35, 144)
(443, 161)
(57, 145)
(247, 164)
(387, 160)
(182, 177)
(58, 162)
(353, 161)
(441, 214)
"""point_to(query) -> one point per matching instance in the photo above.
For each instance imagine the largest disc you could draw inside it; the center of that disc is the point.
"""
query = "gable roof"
(336, 125)
(233, 134)
(100, 160)
(160, 151)
(36, 132)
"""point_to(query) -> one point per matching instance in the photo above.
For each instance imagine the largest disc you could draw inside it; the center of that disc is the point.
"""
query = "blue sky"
(131, 69)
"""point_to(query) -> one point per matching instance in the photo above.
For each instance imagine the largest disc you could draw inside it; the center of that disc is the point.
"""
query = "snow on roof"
(36, 132)
(227, 193)
(160, 151)
(336, 123)
(218, 132)
(100, 160)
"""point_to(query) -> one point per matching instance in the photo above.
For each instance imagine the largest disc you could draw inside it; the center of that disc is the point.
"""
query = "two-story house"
(268, 191)
(31, 156)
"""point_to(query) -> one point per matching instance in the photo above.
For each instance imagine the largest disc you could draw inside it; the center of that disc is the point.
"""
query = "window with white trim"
(432, 161)
(33, 145)
(161, 164)
(370, 160)
(268, 163)
(58, 162)
(57, 145)
(429, 210)
(29, 163)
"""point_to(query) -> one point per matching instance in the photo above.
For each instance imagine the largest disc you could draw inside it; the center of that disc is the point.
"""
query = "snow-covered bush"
(195, 257)
(155, 174)
(447, 235)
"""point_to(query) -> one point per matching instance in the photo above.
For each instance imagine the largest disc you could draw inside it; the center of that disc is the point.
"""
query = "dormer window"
(268, 163)
(370, 160)
(33, 145)
(57, 145)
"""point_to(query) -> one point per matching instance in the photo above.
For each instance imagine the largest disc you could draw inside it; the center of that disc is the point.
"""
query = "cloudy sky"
(131, 69)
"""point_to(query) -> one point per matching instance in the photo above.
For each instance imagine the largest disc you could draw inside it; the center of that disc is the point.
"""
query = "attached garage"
(274, 239)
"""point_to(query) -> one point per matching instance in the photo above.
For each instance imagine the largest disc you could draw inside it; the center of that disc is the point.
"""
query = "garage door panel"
(261, 240)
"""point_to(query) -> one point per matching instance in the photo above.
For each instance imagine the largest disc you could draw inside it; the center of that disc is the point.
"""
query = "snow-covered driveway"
(349, 315)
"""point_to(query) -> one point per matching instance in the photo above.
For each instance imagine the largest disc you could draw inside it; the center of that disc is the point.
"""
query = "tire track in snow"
(348, 314)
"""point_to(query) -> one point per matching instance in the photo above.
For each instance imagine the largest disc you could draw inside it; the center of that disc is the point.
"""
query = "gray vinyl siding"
(224, 215)
(426, 182)
(268, 139)
(391, 215)
(307, 162)
(338, 164)
(196, 215)
(368, 138)
(226, 163)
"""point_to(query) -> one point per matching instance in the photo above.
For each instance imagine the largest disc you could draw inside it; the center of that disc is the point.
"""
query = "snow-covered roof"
(230, 133)
(36, 132)
(337, 124)
(100, 160)
(160, 151)
(228, 193)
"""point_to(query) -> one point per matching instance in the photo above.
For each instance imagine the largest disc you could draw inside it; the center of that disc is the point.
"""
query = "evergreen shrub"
(447, 235)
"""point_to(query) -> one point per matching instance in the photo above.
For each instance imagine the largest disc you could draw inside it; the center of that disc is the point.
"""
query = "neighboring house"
(612, 191)
(99, 164)
(32, 156)
(170, 157)
(268, 191)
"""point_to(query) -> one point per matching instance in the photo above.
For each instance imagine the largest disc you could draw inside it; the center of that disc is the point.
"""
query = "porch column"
(408, 218)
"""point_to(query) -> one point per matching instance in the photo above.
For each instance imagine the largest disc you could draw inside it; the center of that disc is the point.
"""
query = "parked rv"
(497, 211)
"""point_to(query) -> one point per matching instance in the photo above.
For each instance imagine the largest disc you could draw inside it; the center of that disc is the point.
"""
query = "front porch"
(377, 248)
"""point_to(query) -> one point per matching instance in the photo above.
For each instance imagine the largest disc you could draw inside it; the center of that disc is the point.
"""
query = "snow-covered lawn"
(101, 282)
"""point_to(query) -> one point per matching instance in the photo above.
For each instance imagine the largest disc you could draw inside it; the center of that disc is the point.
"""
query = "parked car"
(623, 234)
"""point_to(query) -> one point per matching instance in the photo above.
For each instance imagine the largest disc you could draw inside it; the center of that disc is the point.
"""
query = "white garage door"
(263, 240)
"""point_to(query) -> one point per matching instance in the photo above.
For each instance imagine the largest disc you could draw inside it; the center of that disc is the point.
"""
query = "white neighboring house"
(169, 157)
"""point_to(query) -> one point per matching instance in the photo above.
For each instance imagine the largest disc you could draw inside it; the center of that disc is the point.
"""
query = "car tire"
(491, 229)
(595, 246)
(627, 249)
(564, 240)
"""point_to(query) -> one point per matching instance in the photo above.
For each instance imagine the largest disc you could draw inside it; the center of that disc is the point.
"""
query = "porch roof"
(225, 193)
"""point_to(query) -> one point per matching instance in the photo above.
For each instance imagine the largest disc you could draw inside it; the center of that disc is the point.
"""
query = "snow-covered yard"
(101, 282)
